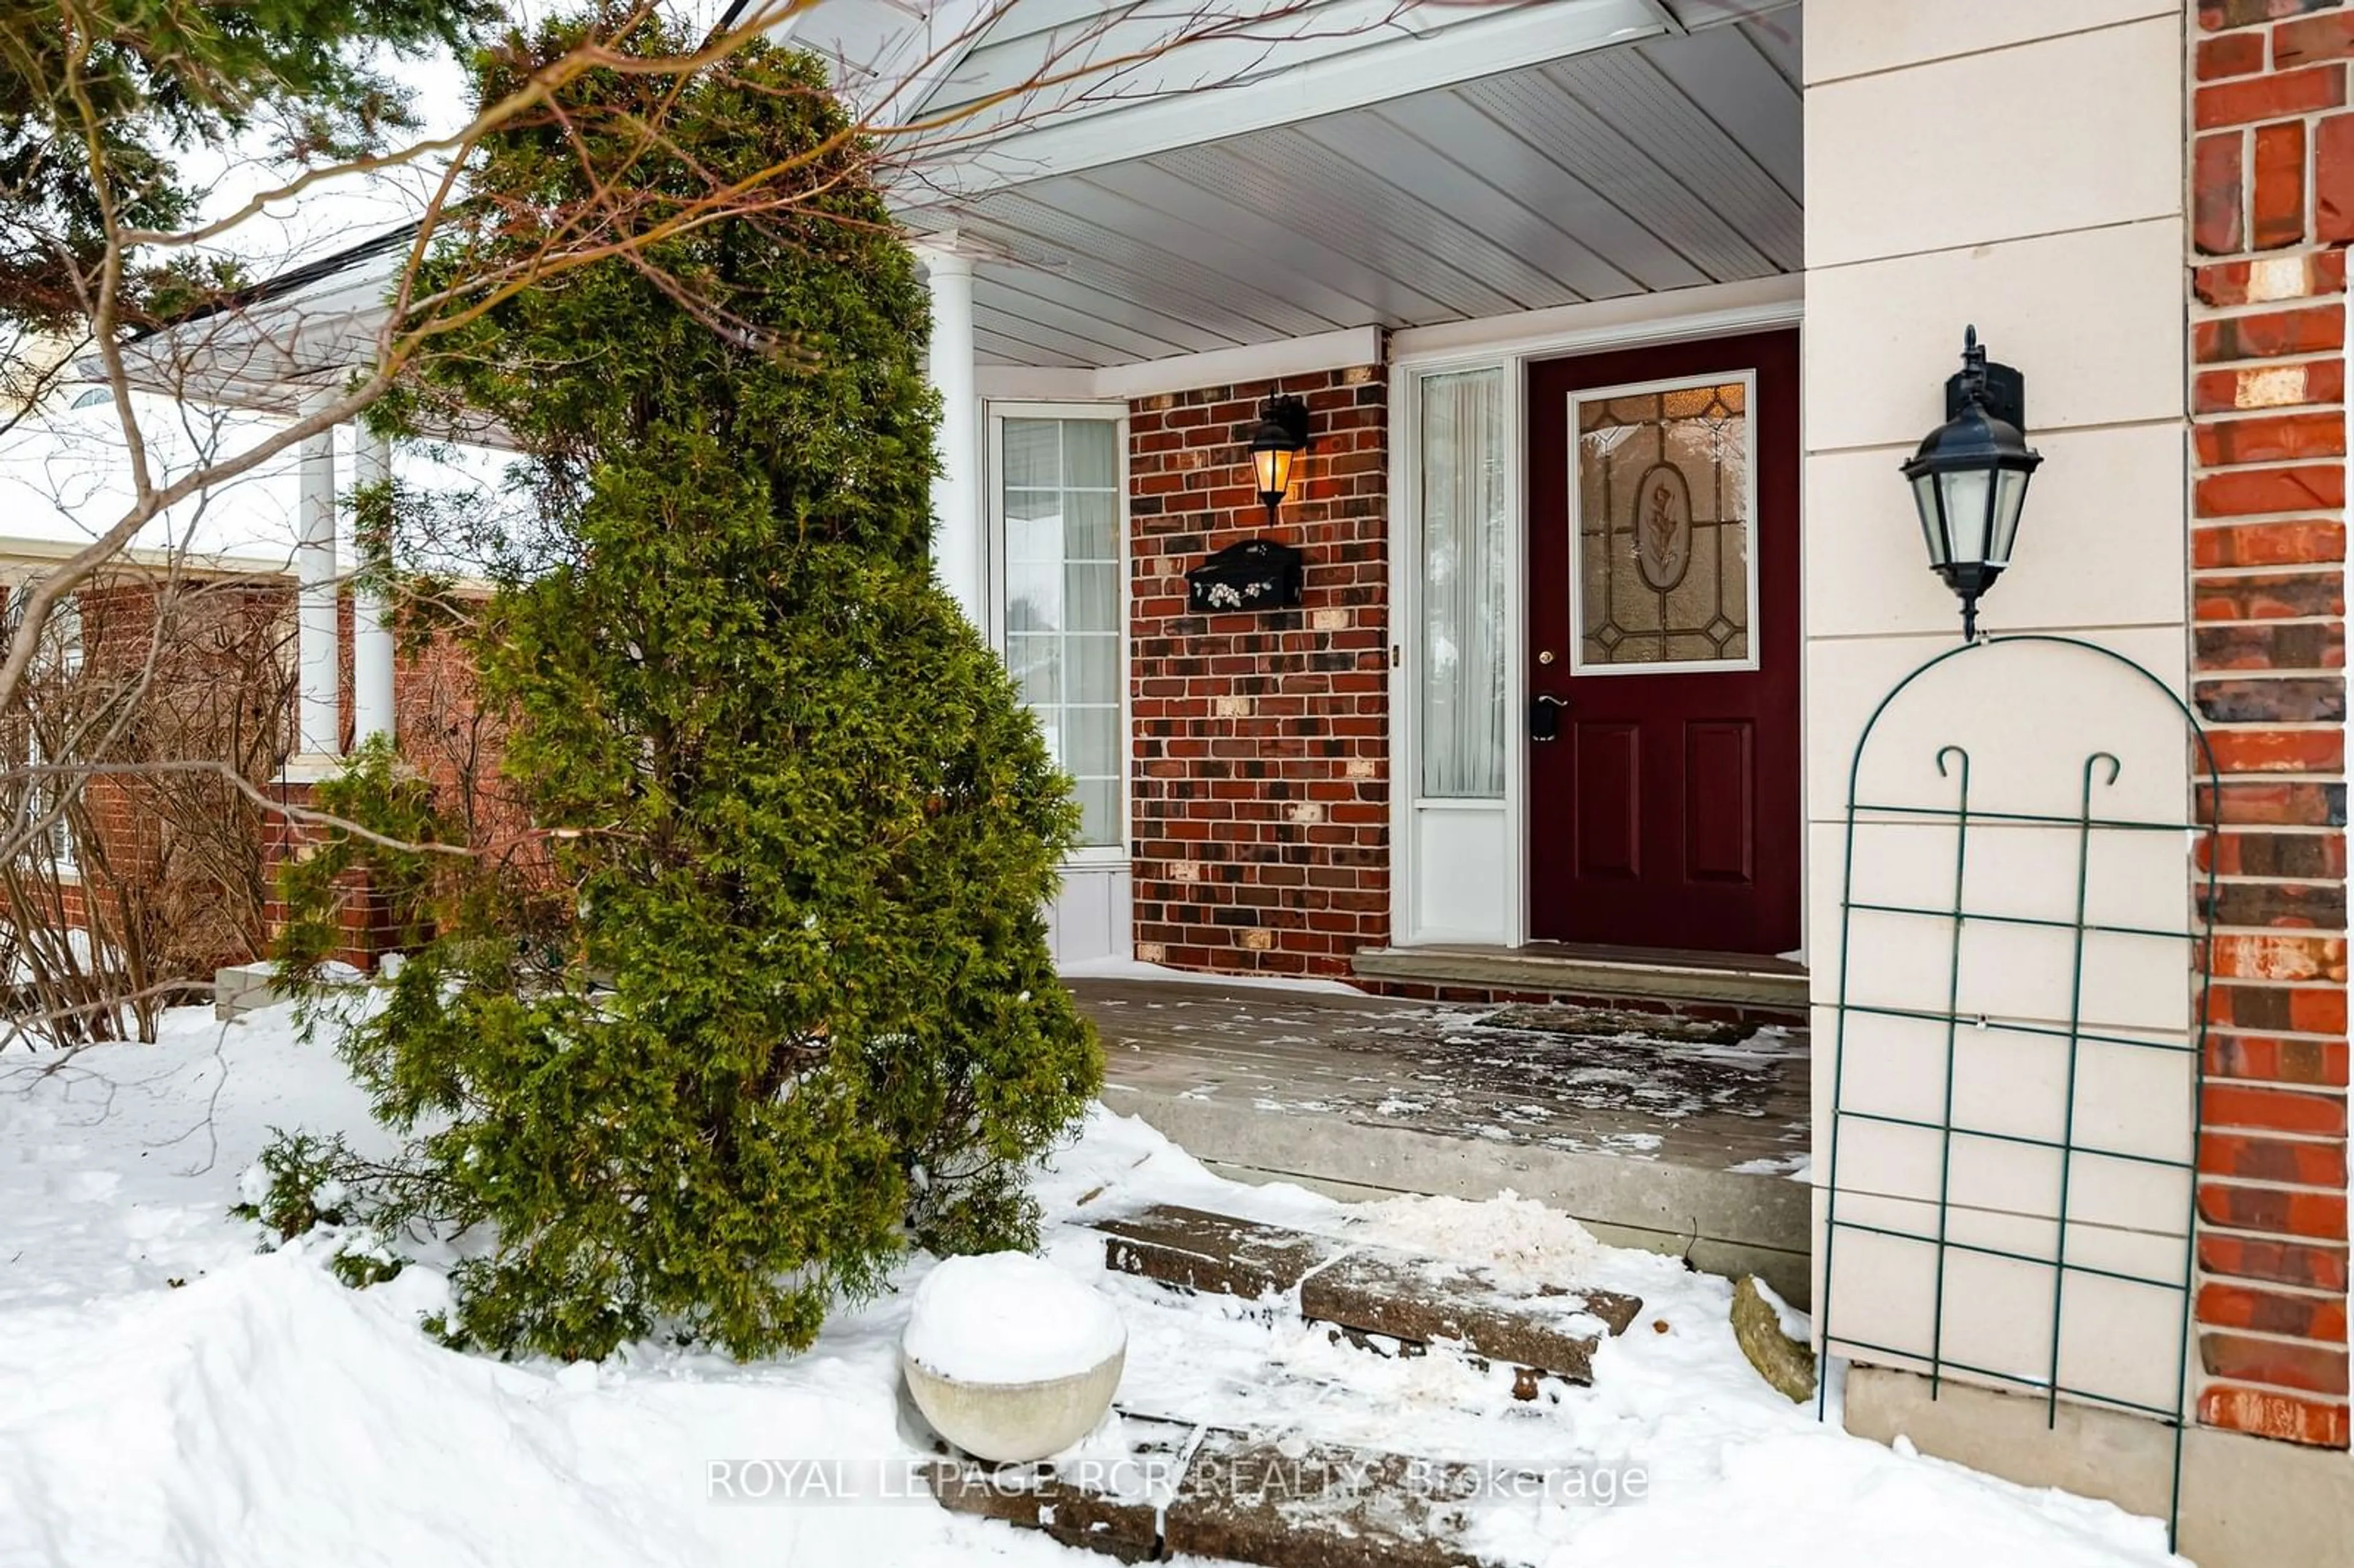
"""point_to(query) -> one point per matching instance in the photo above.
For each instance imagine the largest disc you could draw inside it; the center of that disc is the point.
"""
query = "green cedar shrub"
(774, 999)
(306, 1185)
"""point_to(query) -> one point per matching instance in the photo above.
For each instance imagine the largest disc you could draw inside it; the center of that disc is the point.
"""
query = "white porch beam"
(372, 709)
(1207, 92)
(1184, 372)
(1708, 309)
(957, 534)
(320, 709)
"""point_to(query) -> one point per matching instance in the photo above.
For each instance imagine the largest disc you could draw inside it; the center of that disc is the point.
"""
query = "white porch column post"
(371, 615)
(958, 538)
(314, 571)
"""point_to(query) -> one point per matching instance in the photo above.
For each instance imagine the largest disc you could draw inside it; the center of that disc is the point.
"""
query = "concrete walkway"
(1678, 1135)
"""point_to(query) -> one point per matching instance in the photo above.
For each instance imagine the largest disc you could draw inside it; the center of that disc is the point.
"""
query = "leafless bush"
(137, 864)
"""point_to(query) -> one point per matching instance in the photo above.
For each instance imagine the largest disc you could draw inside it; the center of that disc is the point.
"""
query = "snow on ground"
(1137, 970)
(168, 1395)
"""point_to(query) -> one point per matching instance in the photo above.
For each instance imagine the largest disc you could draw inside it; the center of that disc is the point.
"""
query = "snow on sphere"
(1006, 1317)
(1011, 1359)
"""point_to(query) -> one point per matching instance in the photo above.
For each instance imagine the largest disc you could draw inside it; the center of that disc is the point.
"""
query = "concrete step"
(1725, 1221)
(1372, 1290)
(1764, 987)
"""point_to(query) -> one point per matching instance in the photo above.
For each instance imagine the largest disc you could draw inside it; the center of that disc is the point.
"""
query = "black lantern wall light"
(1969, 477)
(1276, 445)
(1259, 574)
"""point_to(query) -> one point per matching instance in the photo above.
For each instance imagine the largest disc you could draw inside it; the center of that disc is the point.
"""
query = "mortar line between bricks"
(2295, 359)
(2319, 1292)
(2318, 513)
(2273, 1135)
(2281, 984)
(2274, 1336)
(2247, 1185)
(2329, 300)
(2266, 673)
(2283, 828)
(2268, 620)
(2278, 1238)
(2295, 1085)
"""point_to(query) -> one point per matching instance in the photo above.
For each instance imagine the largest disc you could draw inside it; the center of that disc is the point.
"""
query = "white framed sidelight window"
(1464, 577)
(1454, 500)
(1059, 514)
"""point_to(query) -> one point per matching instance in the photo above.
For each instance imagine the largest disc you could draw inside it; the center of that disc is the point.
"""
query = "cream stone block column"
(2016, 166)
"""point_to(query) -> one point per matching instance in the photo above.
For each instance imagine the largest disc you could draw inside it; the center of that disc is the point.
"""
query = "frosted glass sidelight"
(1463, 576)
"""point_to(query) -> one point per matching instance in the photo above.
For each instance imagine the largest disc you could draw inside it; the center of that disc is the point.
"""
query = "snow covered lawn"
(168, 1395)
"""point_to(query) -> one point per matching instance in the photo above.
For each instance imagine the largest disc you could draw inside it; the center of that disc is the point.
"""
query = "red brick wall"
(158, 864)
(443, 735)
(1260, 781)
(436, 723)
(2273, 203)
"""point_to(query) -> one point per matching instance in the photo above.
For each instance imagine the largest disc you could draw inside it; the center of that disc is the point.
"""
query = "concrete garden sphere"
(1011, 1359)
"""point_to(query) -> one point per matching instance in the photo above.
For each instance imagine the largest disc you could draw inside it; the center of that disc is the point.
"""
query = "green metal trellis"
(2100, 769)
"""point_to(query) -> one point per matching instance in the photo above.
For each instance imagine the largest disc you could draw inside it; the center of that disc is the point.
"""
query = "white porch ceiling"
(1486, 159)
(1634, 168)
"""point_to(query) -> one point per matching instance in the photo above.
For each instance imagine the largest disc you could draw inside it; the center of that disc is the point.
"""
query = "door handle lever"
(1544, 716)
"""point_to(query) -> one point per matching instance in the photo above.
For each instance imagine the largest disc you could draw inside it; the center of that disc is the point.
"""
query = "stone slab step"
(1370, 1290)
(1218, 1253)
(1230, 1495)
(1407, 1297)
(1112, 1509)
(1279, 1505)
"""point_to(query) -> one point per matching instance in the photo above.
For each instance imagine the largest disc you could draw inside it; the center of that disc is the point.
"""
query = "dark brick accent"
(2309, 700)
(2320, 903)
(2216, 15)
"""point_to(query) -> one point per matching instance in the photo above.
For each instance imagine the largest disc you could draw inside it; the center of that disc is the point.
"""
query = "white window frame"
(1120, 855)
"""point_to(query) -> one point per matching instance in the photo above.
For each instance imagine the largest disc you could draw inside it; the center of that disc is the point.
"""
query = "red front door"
(1663, 654)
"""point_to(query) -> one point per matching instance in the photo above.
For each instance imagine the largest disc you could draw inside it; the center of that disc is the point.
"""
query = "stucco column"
(957, 534)
(371, 615)
(314, 570)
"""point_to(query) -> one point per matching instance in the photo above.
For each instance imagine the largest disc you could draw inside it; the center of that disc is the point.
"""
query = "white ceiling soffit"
(275, 355)
(889, 56)
(1668, 164)
(1116, 86)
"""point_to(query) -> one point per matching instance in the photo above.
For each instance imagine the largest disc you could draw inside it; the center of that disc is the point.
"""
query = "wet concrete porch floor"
(1676, 1135)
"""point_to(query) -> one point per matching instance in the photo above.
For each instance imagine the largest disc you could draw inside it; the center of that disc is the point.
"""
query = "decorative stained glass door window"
(1662, 489)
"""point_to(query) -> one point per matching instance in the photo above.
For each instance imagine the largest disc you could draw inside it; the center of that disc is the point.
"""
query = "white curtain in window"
(1463, 585)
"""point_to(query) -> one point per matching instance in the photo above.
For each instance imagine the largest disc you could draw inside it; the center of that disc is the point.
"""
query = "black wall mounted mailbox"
(1258, 574)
